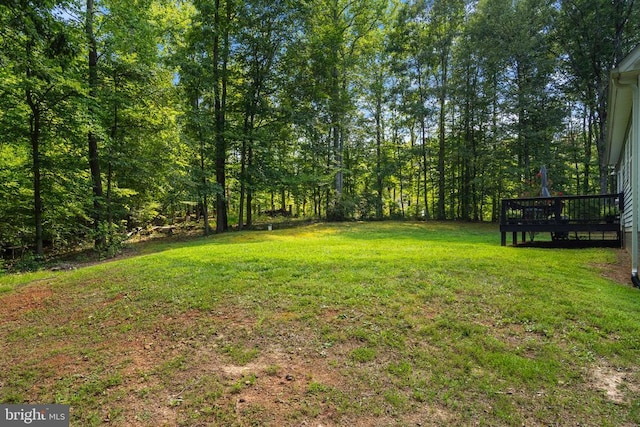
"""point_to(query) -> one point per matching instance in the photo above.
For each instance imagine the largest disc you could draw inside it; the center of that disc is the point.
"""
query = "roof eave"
(621, 87)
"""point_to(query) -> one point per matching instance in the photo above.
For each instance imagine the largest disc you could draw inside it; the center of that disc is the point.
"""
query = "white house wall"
(623, 147)
(624, 183)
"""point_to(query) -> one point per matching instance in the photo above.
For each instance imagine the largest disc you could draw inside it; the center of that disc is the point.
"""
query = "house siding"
(623, 142)
(624, 186)
(624, 183)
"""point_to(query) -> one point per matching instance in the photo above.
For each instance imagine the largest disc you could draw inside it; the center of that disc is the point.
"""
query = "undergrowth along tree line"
(117, 114)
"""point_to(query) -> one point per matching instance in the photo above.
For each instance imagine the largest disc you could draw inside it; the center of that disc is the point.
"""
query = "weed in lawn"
(239, 355)
(242, 383)
(273, 370)
(364, 354)
(176, 364)
(317, 388)
(421, 392)
(395, 399)
(308, 409)
(144, 416)
(12, 397)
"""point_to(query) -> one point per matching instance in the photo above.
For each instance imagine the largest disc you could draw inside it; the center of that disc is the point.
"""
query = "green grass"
(370, 323)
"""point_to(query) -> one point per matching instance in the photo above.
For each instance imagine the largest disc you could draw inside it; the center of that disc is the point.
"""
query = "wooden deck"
(592, 220)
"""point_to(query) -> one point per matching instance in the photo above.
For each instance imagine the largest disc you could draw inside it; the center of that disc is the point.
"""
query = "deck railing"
(562, 214)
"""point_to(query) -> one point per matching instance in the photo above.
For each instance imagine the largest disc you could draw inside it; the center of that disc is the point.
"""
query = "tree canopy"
(120, 114)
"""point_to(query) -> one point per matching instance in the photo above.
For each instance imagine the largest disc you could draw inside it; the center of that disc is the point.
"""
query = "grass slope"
(349, 324)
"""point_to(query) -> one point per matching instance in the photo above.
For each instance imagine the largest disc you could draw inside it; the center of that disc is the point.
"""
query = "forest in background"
(119, 114)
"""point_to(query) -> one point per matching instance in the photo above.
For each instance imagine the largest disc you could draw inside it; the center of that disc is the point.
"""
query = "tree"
(205, 77)
(38, 50)
(262, 38)
(135, 114)
(221, 47)
(337, 30)
(343, 108)
(413, 66)
(445, 20)
(94, 159)
(374, 96)
(526, 62)
(595, 35)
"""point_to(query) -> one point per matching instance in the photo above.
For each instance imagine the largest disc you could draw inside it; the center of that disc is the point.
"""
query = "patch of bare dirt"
(29, 298)
(617, 385)
(620, 270)
(283, 382)
(287, 383)
(150, 399)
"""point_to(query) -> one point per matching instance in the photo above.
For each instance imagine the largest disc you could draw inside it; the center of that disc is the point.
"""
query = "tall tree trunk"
(379, 175)
(496, 193)
(246, 155)
(400, 174)
(243, 172)
(203, 201)
(465, 195)
(523, 137)
(220, 58)
(587, 132)
(250, 187)
(34, 133)
(441, 138)
(474, 173)
(37, 165)
(335, 121)
(466, 204)
(114, 138)
(423, 136)
(94, 160)
(205, 184)
(283, 200)
(336, 140)
(425, 181)
(418, 171)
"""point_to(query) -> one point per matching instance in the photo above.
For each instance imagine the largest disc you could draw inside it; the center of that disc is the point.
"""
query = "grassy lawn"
(349, 324)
